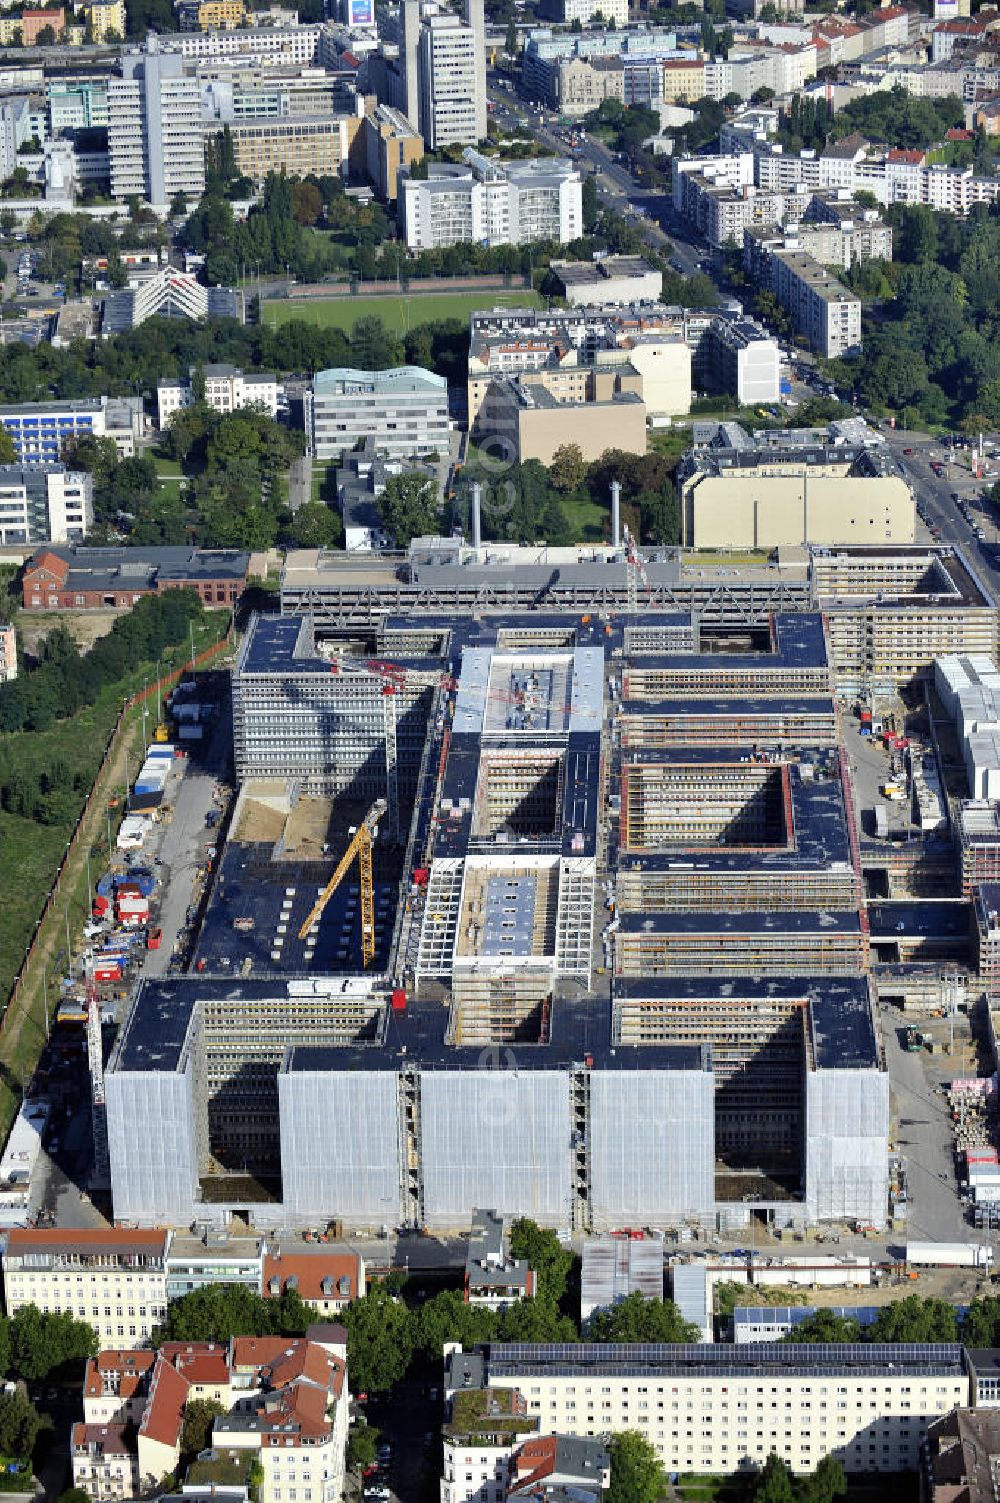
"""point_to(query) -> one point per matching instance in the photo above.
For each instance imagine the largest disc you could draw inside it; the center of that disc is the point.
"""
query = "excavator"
(361, 846)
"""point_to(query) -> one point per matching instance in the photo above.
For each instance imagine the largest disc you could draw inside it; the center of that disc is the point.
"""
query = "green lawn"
(591, 522)
(167, 469)
(398, 313)
(323, 488)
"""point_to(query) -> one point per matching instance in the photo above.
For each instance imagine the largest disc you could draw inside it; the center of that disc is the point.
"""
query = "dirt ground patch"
(83, 626)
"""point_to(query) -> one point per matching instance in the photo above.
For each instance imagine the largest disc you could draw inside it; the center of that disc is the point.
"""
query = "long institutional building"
(622, 947)
(719, 1409)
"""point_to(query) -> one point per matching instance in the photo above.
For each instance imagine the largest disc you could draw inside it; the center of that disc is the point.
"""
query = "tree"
(637, 1474)
(196, 1429)
(773, 1483)
(315, 526)
(636, 1318)
(307, 203)
(449, 1317)
(20, 1423)
(981, 1326)
(178, 205)
(380, 1332)
(536, 1319)
(568, 468)
(372, 345)
(75, 1495)
(220, 1311)
(362, 1446)
(915, 1319)
(545, 1254)
(41, 1343)
(8, 451)
(825, 1484)
(46, 37)
(591, 203)
(824, 1326)
(510, 40)
(409, 507)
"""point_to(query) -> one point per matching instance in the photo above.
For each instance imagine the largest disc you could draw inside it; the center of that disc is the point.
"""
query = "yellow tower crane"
(360, 846)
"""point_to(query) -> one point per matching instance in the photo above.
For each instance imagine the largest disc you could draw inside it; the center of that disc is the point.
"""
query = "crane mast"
(360, 846)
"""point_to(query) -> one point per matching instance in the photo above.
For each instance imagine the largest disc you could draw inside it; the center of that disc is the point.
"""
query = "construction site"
(493, 924)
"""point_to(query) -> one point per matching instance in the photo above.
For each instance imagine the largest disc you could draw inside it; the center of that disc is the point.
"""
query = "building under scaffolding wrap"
(626, 982)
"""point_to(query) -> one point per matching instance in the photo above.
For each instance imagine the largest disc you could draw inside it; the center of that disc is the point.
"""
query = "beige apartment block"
(869, 1409)
(114, 1279)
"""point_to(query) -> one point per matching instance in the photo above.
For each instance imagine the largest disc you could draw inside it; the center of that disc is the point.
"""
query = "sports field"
(398, 313)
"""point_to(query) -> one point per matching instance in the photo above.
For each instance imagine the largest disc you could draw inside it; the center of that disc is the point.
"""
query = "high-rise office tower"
(444, 66)
(155, 141)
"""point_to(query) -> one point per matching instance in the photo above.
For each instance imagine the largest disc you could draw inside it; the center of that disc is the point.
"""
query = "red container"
(399, 1000)
(101, 906)
(421, 875)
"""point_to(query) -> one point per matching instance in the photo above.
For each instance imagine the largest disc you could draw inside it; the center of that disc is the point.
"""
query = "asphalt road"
(934, 493)
(186, 839)
(299, 482)
(617, 187)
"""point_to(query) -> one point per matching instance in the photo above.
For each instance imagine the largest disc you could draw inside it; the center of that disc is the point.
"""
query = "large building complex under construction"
(624, 976)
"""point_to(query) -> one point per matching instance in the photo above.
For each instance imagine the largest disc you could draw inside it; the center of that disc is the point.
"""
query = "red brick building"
(66, 579)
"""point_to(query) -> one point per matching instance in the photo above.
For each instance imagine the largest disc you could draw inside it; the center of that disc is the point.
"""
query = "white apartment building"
(489, 1457)
(155, 144)
(278, 46)
(113, 1279)
(103, 1462)
(712, 1409)
(492, 203)
(404, 410)
(820, 307)
(615, 12)
(44, 504)
(226, 390)
(747, 69)
(742, 359)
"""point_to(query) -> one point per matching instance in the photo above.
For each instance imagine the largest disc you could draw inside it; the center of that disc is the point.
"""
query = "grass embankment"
(399, 312)
(30, 854)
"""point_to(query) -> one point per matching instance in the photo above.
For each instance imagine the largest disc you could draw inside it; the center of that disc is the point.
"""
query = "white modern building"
(743, 359)
(405, 410)
(492, 203)
(44, 504)
(40, 429)
(155, 142)
(226, 388)
(444, 71)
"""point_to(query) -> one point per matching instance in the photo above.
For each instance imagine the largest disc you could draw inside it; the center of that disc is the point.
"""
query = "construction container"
(948, 1254)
